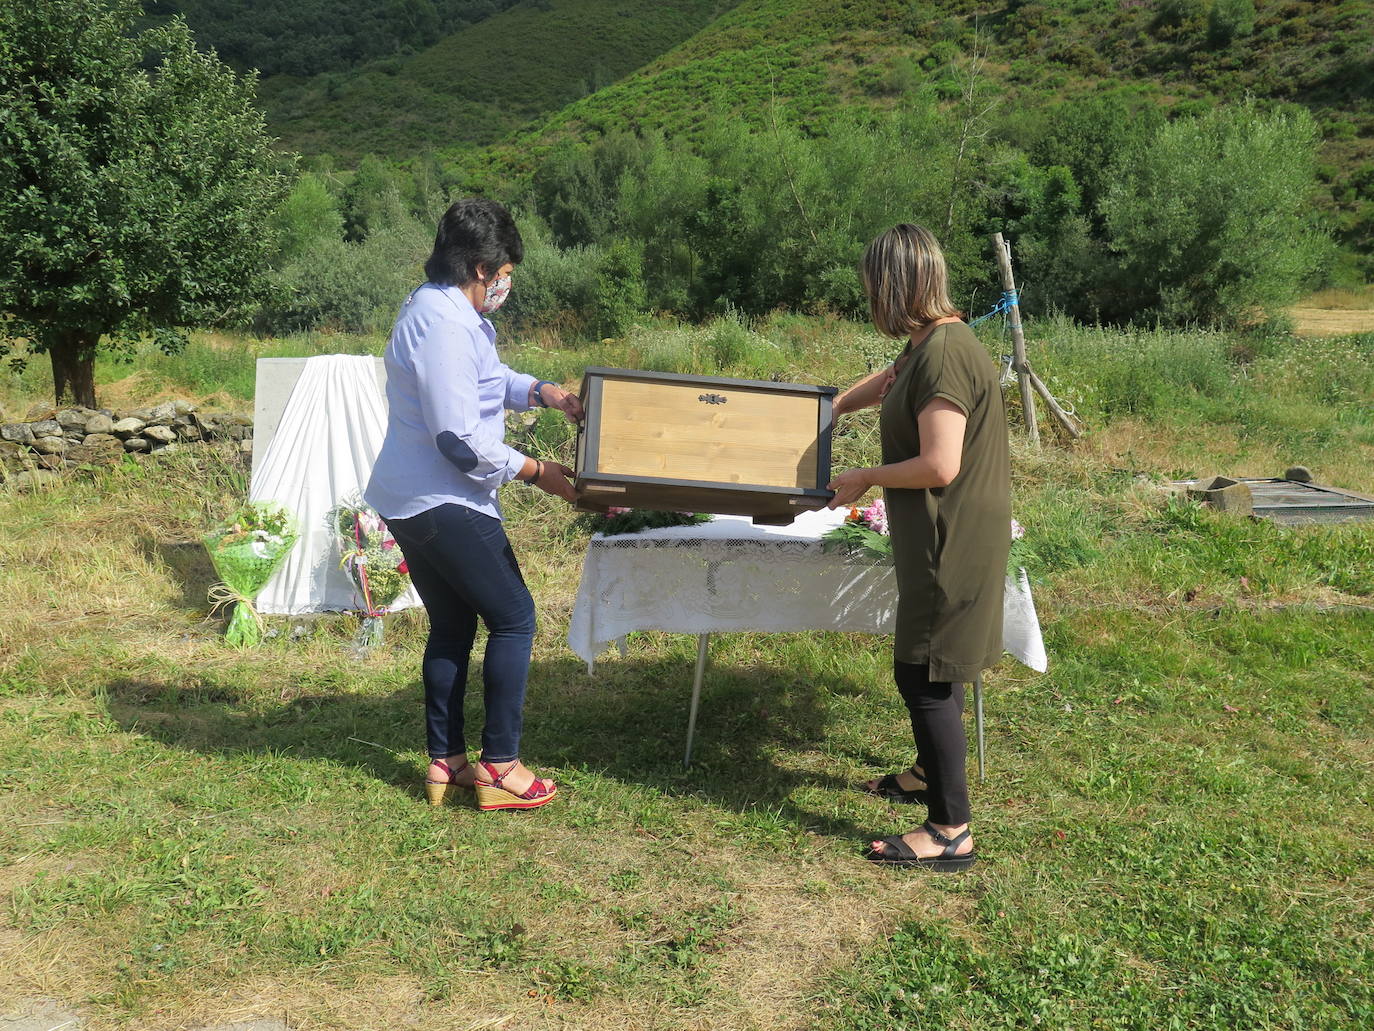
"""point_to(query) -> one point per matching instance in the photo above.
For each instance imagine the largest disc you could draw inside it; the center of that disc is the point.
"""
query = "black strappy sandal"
(896, 852)
(890, 789)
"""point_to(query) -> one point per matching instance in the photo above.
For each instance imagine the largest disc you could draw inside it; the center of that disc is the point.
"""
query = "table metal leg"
(703, 641)
(978, 720)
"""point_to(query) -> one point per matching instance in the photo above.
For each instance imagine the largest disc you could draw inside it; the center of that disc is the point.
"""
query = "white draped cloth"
(730, 575)
(321, 455)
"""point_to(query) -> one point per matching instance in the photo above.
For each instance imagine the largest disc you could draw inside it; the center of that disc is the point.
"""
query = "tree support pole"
(1018, 338)
(1062, 417)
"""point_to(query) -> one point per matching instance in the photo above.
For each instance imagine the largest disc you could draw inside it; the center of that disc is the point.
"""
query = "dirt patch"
(802, 928)
(39, 1015)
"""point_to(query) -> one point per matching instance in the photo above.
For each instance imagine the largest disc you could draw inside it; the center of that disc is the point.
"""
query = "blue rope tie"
(1004, 303)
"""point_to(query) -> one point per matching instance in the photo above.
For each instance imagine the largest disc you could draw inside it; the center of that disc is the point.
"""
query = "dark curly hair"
(473, 232)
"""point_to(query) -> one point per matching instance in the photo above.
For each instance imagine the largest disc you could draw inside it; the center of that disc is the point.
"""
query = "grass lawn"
(1176, 824)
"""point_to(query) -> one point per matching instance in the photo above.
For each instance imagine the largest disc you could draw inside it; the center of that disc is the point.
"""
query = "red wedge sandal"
(439, 791)
(497, 796)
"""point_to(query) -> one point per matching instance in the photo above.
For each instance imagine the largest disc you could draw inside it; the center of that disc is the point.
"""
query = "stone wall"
(50, 440)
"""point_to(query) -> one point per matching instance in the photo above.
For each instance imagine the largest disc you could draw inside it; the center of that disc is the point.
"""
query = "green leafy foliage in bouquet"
(863, 533)
(246, 550)
(633, 520)
(1020, 551)
(373, 561)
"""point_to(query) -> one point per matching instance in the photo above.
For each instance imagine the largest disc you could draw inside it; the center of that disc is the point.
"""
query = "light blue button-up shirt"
(446, 390)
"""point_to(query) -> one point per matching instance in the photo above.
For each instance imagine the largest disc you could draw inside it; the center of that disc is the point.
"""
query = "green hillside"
(816, 54)
(478, 84)
(827, 60)
(530, 74)
(307, 37)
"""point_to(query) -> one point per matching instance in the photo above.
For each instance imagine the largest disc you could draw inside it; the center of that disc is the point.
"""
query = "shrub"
(1229, 20)
(1176, 12)
(351, 286)
(620, 293)
(306, 217)
(552, 286)
(1211, 220)
(1040, 212)
(369, 198)
(1088, 134)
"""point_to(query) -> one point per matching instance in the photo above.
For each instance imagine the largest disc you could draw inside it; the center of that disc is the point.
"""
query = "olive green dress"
(950, 544)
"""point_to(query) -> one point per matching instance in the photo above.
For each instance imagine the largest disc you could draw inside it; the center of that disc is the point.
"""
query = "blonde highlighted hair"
(905, 278)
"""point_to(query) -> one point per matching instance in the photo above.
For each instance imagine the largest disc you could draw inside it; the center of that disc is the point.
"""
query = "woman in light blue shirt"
(435, 483)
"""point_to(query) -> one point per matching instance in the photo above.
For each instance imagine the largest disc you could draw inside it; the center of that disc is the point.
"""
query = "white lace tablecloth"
(729, 575)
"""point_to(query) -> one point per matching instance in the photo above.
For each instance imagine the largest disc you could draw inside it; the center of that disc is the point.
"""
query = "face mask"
(496, 295)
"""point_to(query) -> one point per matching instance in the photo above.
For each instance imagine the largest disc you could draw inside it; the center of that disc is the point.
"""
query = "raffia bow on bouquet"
(246, 550)
(373, 562)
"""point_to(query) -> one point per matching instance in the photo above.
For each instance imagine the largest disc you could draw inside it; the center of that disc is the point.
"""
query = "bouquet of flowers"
(373, 561)
(246, 550)
(631, 520)
(863, 532)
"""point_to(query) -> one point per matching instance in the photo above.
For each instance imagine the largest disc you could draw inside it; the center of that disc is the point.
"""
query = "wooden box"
(703, 444)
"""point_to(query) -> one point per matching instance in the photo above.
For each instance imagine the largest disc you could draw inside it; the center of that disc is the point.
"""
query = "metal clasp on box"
(713, 399)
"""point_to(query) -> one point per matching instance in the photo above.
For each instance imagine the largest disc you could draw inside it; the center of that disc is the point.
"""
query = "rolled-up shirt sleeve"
(518, 386)
(447, 377)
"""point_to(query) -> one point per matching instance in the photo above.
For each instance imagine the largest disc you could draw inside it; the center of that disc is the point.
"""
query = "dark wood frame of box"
(756, 500)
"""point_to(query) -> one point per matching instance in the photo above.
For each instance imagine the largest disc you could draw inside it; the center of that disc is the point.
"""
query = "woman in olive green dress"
(946, 476)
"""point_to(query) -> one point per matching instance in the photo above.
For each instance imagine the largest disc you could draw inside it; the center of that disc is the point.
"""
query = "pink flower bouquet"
(373, 562)
(863, 533)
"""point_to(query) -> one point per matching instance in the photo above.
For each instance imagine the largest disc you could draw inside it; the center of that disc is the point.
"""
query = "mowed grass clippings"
(1176, 824)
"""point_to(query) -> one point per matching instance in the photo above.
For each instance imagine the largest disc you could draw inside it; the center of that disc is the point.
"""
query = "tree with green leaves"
(1212, 219)
(137, 185)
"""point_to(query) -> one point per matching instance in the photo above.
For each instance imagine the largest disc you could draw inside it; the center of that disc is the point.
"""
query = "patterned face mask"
(496, 295)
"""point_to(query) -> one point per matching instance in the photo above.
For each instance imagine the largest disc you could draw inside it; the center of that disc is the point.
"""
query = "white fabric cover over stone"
(321, 454)
(730, 575)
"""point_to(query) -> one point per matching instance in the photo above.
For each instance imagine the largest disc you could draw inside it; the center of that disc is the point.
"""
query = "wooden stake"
(1018, 339)
(1062, 417)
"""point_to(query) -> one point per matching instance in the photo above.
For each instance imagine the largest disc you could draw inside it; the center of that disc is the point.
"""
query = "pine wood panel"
(666, 430)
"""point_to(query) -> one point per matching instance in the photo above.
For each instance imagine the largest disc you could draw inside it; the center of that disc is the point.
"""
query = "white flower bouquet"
(246, 550)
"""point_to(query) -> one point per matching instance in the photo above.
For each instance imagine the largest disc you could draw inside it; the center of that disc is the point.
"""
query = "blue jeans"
(463, 568)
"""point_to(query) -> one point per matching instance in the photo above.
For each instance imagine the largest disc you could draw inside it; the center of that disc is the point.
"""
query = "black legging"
(937, 724)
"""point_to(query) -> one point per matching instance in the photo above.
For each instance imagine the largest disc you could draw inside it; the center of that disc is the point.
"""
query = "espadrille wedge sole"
(497, 796)
(440, 791)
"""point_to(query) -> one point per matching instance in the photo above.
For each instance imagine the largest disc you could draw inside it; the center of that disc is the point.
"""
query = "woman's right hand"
(556, 479)
(869, 391)
(889, 378)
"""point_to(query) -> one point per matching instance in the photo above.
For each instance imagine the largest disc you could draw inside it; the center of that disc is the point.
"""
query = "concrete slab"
(1293, 503)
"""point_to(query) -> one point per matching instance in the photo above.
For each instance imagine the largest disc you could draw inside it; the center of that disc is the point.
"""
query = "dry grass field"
(1334, 313)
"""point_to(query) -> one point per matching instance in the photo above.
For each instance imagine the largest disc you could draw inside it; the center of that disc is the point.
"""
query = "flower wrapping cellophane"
(246, 550)
(373, 561)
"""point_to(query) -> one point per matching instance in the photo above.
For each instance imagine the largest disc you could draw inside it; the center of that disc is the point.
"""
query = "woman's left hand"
(570, 405)
(849, 487)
